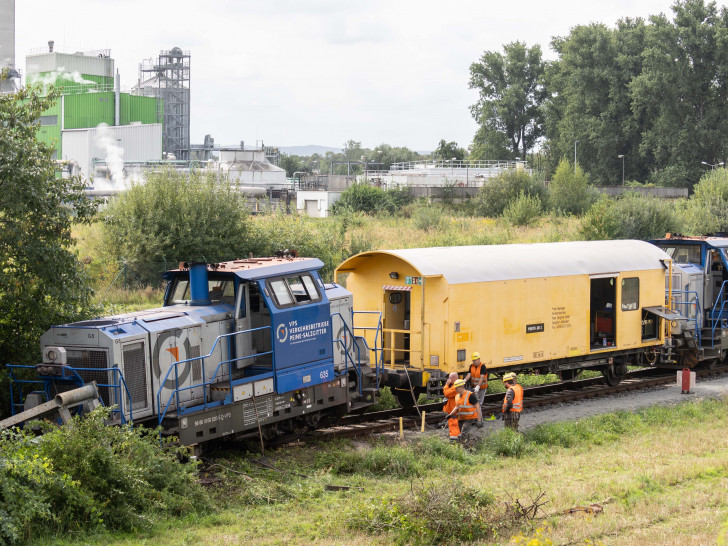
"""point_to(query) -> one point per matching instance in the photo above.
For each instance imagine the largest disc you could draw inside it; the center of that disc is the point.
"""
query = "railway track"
(542, 395)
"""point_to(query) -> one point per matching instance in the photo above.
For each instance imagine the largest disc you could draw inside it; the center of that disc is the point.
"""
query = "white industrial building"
(96, 149)
(252, 168)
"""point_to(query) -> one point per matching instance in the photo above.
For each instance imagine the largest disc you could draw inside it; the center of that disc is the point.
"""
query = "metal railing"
(347, 357)
(720, 317)
(377, 349)
(455, 164)
(392, 349)
(688, 305)
(70, 374)
(175, 394)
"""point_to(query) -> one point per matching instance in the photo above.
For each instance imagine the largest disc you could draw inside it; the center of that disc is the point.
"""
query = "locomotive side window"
(683, 254)
(282, 297)
(219, 291)
(630, 294)
(293, 290)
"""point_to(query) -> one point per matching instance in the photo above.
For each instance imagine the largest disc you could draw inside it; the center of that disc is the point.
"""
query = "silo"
(7, 46)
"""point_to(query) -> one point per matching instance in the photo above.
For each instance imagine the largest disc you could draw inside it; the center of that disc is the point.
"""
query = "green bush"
(569, 191)
(496, 193)
(525, 210)
(88, 475)
(632, 216)
(504, 442)
(361, 197)
(428, 217)
(707, 209)
(178, 217)
(431, 514)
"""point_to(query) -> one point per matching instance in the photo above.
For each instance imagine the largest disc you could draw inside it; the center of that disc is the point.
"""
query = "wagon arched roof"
(467, 264)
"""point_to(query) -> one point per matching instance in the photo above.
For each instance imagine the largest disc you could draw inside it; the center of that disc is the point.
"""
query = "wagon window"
(630, 294)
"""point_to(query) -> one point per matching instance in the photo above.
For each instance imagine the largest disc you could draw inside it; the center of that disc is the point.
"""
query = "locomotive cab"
(698, 290)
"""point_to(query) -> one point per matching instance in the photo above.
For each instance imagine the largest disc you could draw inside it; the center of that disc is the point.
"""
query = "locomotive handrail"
(356, 365)
(121, 382)
(378, 351)
(712, 317)
(204, 384)
(696, 303)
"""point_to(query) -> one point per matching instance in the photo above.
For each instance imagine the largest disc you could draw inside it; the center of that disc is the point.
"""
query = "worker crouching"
(512, 402)
(466, 413)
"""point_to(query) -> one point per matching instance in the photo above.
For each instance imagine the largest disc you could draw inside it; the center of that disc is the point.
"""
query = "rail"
(74, 377)
(204, 384)
(695, 302)
(720, 317)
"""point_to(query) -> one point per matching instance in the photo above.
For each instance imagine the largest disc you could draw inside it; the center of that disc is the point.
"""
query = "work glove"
(476, 389)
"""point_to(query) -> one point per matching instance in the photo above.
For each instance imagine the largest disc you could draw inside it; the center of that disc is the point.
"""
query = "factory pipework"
(117, 97)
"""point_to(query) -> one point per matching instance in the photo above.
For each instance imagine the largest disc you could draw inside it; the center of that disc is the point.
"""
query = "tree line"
(649, 97)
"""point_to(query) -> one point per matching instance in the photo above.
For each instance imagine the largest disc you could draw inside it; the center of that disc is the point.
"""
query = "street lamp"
(713, 166)
(364, 162)
(621, 156)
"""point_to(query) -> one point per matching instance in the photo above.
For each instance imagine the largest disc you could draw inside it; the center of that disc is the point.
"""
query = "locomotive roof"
(468, 264)
(714, 242)
(257, 268)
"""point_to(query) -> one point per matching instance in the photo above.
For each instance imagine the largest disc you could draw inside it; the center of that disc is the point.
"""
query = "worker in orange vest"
(478, 377)
(466, 413)
(450, 392)
(512, 402)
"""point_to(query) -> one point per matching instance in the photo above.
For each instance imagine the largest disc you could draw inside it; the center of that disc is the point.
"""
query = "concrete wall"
(316, 204)
(664, 193)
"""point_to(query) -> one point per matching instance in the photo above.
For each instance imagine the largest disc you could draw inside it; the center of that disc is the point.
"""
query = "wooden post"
(401, 428)
(423, 422)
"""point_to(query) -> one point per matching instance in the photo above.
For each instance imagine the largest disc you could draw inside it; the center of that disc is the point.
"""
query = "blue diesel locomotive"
(240, 348)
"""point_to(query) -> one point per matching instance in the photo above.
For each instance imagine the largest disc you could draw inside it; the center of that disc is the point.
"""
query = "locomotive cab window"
(630, 294)
(293, 290)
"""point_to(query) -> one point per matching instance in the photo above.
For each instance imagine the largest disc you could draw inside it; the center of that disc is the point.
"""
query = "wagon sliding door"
(397, 326)
(603, 311)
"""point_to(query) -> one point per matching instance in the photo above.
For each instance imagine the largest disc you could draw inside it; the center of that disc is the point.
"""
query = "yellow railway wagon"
(557, 307)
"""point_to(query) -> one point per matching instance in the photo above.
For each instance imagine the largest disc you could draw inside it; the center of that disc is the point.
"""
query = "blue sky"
(317, 72)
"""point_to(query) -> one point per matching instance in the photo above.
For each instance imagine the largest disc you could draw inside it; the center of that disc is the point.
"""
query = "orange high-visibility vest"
(517, 398)
(450, 393)
(474, 377)
(465, 409)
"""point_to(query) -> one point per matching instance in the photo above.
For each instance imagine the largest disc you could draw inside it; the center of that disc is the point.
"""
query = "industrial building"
(11, 82)
(168, 79)
(91, 97)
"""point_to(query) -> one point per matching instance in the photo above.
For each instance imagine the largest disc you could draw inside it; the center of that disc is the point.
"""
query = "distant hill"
(308, 150)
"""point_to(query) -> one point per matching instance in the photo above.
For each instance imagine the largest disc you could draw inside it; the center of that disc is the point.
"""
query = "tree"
(41, 281)
(590, 99)
(683, 90)
(511, 92)
(449, 150)
(569, 191)
(707, 210)
(177, 217)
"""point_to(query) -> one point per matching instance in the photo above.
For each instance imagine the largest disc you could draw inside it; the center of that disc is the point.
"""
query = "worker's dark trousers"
(511, 418)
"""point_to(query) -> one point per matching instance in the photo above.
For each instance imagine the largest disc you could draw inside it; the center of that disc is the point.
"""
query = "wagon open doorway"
(396, 326)
(603, 318)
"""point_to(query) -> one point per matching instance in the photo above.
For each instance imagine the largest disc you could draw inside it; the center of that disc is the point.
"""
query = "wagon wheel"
(568, 375)
(611, 376)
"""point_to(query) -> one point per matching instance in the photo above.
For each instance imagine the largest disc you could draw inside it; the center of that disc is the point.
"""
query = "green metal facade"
(84, 107)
